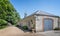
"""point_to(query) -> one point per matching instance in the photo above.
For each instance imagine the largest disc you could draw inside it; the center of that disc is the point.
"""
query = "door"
(48, 24)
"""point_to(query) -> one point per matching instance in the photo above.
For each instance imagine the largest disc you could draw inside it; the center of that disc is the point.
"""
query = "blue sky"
(30, 6)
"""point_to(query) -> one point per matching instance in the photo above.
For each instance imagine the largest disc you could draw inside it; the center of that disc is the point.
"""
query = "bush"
(25, 27)
(1, 27)
(3, 23)
(56, 29)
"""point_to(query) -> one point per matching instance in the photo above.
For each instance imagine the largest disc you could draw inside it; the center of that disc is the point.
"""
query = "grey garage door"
(48, 24)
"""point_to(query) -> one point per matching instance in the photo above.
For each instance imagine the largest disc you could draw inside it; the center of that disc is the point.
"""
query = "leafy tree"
(8, 12)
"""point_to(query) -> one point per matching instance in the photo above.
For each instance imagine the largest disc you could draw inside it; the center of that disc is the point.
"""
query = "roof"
(42, 13)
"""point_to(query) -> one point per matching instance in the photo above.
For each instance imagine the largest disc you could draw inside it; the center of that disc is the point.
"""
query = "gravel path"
(11, 31)
(50, 33)
(14, 31)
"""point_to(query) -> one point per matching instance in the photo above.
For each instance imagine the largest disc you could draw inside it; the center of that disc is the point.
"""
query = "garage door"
(48, 24)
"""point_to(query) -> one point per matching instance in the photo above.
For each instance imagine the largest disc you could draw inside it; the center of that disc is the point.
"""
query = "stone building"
(43, 21)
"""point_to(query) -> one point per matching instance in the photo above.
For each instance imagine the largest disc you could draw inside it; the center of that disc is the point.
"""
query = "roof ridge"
(43, 12)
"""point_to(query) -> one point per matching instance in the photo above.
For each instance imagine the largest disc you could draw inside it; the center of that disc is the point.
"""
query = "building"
(43, 21)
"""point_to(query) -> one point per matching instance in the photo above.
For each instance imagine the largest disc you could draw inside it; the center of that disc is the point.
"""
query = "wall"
(40, 24)
(26, 20)
(59, 22)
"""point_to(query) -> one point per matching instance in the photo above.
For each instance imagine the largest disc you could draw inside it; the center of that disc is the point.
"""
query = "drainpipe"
(58, 22)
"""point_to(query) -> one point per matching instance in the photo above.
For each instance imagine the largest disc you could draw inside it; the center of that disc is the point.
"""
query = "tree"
(8, 12)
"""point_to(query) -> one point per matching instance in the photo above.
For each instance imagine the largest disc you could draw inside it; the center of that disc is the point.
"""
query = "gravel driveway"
(14, 31)
(50, 33)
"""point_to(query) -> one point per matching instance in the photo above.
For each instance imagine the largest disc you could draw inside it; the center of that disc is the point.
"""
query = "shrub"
(25, 27)
(56, 29)
(3, 23)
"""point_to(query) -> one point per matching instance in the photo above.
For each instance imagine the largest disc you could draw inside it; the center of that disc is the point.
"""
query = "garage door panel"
(48, 24)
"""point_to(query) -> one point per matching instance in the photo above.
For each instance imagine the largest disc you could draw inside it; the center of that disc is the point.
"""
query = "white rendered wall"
(39, 22)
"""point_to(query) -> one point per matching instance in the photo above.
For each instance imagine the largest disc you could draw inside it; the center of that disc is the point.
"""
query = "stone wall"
(59, 22)
(40, 23)
(26, 20)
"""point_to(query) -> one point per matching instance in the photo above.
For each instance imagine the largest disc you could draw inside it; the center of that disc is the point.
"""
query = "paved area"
(47, 33)
(50, 33)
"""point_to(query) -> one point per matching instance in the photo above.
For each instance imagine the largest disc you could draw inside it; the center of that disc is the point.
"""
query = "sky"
(30, 6)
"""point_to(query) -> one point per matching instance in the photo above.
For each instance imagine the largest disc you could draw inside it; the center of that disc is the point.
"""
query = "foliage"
(57, 29)
(25, 27)
(8, 12)
(3, 23)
